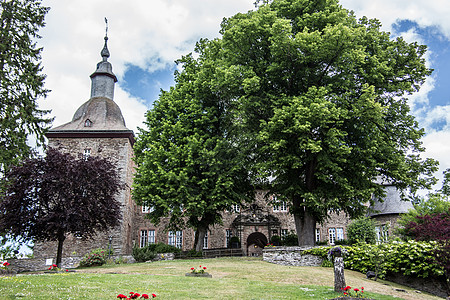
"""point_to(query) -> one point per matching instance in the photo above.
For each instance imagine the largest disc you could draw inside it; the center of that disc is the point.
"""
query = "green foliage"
(21, 80)
(432, 205)
(164, 248)
(290, 239)
(407, 258)
(275, 240)
(190, 167)
(361, 231)
(340, 242)
(318, 99)
(143, 254)
(96, 257)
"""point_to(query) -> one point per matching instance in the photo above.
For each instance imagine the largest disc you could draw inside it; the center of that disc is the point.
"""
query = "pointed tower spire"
(105, 51)
(103, 79)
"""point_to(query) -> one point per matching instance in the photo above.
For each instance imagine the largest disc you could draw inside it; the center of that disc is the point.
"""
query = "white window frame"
(278, 206)
(143, 238)
(86, 153)
(317, 234)
(175, 238)
(332, 235)
(235, 208)
(151, 236)
(339, 233)
(147, 209)
(228, 235)
(284, 232)
(205, 240)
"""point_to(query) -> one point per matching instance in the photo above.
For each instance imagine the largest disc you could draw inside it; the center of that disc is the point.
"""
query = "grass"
(233, 278)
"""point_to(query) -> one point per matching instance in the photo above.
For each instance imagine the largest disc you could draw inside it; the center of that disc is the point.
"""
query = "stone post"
(339, 278)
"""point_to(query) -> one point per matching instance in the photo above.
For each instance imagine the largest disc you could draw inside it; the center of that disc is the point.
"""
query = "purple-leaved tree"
(47, 198)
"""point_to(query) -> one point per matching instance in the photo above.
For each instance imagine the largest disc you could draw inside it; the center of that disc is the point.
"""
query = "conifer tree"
(21, 80)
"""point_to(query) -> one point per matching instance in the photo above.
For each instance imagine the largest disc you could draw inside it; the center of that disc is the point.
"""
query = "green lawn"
(233, 278)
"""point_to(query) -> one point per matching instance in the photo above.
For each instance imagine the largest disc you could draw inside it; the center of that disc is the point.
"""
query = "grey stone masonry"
(291, 256)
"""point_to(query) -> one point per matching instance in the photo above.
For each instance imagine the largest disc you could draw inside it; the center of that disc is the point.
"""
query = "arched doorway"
(256, 243)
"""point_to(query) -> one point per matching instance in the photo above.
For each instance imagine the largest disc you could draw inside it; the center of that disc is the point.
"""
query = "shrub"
(290, 239)
(143, 254)
(276, 240)
(96, 257)
(164, 248)
(361, 231)
(407, 258)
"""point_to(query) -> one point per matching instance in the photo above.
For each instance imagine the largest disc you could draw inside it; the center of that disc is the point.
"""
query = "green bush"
(96, 257)
(361, 231)
(407, 258)
(164, 248)
(290, 239)
(143, 254)
(276, 240)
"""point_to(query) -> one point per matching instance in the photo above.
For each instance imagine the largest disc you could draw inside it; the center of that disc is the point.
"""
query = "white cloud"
(149, 34)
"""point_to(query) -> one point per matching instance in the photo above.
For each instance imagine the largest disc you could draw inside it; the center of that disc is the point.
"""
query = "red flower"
(121, 296)
(192, 268)
(362, 288)
(345, 294)
(204, 268)
(200, 266)
(356, 289)
(54, 266)
(145, 296)
(50, 268)
(347, 288)
(6, 263)
(153, 296)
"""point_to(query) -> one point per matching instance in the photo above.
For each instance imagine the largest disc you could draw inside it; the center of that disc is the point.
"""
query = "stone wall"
(291, 256)
(42, 264)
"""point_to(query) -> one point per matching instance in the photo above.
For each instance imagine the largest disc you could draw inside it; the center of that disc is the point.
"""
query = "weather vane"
(106, 22)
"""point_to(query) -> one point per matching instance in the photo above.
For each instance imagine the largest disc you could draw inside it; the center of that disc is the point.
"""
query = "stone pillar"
(339, 278)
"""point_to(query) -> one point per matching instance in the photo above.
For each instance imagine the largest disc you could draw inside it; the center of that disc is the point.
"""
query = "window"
(382, 232)
(87, 123)
(205, 241)
(146, 237)
(176, 238)
(228, 235)
(278, 206)
(339, 233)
(317, 235)
(284, 232)
(332, 235)
(151, 237)
(86, 153)
(147, 209)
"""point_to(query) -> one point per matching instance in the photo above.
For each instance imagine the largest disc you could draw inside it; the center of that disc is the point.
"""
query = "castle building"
(98, 129)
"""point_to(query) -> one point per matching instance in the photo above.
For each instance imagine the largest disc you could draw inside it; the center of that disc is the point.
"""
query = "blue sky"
(146, 37)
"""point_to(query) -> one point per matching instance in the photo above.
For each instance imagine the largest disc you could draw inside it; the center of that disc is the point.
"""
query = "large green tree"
(21, 80)
(322, 102)
(189, 167)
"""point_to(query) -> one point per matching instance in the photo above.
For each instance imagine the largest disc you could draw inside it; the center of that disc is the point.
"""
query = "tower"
(98, 129)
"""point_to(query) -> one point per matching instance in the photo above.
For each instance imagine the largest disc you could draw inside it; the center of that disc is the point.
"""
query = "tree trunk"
(305, 224)
(199, 236)
(61, 239)
(339, 278)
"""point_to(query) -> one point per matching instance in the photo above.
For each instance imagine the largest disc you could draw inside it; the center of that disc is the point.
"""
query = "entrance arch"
(256, 243)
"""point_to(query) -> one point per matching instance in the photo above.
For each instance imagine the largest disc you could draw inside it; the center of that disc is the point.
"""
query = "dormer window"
(88, 123)
(86, 153)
